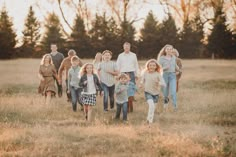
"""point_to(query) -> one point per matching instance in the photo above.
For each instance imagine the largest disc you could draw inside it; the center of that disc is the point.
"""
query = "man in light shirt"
(127, 62)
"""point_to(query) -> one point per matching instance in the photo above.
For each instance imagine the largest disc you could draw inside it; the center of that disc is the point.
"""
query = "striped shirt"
(106, 77)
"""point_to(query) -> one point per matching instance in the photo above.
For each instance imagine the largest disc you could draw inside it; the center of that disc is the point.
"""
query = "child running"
(152, 80)
(121, 91)
(90, 84)
(73, 83)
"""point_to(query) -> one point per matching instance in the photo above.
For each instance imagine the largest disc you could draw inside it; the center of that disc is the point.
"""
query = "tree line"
(105, 33)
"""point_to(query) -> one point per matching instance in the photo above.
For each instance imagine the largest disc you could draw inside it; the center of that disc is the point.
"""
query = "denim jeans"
(170, 80)
(108, 91)
(132, 76)
(124, 110)
(75, 96)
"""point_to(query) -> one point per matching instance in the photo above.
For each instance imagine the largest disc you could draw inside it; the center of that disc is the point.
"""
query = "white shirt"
(127, 62)
(90, 85)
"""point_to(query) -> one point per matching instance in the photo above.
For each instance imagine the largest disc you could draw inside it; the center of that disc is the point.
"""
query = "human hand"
(101, 93)
(59, 81)
(68, 91)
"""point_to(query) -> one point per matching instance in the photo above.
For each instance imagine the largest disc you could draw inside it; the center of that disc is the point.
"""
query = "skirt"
(88, 99)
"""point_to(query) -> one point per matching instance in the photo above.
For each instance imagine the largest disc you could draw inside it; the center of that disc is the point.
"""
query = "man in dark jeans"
(57, 58)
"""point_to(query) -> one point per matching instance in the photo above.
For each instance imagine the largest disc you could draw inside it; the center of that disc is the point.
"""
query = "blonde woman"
(168, 64)
(47, 73)
(97, 60)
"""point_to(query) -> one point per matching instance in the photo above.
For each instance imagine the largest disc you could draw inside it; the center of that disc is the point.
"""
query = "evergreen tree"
(168, 32)
(104, 34)
(31, 33)
(220, 41)
(53, 34)
(190, 44)
(150, 37)
(127, 33)
(7, 36)
(80, 40)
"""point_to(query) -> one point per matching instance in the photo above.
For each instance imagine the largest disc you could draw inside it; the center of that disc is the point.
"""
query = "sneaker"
(105, 111)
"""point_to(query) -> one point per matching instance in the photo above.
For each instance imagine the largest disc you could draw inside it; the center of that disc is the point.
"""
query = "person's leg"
(165, 90)
(177, 85)
(118, 110)
(105, 97)
(67, 94)
(86, 111)
(124, 109)
(111, 91)
(48, 97)
(90, 113)
(79, 95)
(173, 89)
(130, 104)
(59, 87)
(73, 98)
(151, 110)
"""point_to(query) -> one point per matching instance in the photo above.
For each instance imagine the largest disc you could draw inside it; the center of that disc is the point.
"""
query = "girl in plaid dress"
(90, 84)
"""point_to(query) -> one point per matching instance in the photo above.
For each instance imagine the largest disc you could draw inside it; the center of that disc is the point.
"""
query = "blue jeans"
(75, 96)
(150, 96)
(131, 75)
(108, 91)
(170, 80)
(124, 110)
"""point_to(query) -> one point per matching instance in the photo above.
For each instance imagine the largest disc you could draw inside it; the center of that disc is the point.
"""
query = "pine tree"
(7, 36)
(127, 32)
(80, 40)
(53, 33)
(190, 44)
(168, 32)
(31, 33)
(104, 34)
(220, 41)
(31, 30)
(150, 37)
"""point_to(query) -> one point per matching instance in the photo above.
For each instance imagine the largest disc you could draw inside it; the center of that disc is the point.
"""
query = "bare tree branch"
(63, 16)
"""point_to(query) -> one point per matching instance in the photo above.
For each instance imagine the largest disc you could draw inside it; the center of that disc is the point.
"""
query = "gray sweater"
(121, 91)
(165, 63)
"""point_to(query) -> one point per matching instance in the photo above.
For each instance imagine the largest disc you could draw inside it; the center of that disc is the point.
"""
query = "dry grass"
(203, 126)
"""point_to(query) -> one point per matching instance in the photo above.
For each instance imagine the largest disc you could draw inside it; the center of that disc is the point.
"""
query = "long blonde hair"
(83, 69)
(163, 51)
(158, 69)
(95, 58)
(43, 59)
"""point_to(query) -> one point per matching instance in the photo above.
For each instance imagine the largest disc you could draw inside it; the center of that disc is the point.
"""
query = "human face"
(89, 69)
(107, 56)
(75, 63)
(169, 50)
(123, 80)
(98, 57)
(152, 67)
(47, 60)
(54, 48)
(126, 48)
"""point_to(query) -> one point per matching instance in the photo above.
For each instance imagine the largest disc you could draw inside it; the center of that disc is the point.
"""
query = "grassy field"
(205, 124)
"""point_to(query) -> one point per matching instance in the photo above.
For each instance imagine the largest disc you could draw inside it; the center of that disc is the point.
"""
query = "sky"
(18, 10)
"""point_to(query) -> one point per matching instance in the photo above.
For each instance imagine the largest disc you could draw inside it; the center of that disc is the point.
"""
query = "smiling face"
(47, 59)
(126, 47)
(169, 50)
(106, 56)
(152, 67)
(89, 69)
(123, 80)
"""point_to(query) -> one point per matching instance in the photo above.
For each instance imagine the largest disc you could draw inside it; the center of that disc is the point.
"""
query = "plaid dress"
(88, 99)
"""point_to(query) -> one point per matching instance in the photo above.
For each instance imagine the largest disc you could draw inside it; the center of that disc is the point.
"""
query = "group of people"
(115, 81)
